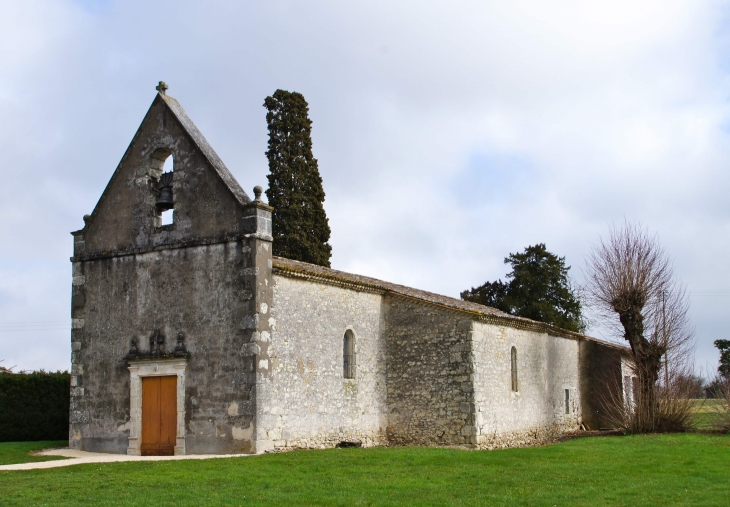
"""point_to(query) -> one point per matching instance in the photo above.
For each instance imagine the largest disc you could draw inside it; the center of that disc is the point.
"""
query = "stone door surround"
(153, 368)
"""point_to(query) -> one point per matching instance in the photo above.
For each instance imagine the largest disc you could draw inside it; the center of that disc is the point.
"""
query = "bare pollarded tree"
(630, 279)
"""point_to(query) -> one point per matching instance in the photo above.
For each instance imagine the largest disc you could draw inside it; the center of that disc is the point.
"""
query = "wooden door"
(159, 416)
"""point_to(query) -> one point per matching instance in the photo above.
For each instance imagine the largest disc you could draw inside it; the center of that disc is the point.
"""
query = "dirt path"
(81, 457)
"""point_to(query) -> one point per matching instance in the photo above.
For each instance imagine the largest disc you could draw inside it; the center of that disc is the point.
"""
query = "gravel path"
(81, 457)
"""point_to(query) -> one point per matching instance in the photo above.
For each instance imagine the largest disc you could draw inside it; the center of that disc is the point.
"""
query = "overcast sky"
(448, 134)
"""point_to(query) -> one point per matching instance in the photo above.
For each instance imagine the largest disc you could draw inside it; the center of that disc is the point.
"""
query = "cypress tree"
(300, 227)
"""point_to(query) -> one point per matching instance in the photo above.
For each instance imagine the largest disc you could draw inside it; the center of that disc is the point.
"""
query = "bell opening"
(167, 217)
(165, 200)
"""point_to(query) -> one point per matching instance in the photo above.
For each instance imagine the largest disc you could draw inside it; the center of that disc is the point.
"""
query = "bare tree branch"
(632, 286)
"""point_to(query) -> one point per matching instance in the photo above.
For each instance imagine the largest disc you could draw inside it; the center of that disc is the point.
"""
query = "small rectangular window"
(567, 401)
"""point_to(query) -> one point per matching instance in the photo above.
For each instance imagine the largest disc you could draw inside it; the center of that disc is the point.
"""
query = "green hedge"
(34, 406)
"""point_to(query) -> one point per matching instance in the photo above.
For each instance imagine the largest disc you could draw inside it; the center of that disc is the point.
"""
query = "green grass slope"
(667, 470)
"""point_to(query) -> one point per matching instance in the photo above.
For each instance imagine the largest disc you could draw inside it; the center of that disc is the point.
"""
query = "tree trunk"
(648, 361)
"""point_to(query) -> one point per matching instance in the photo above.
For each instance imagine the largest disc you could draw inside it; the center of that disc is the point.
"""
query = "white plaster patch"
(264, 364)
(76, 435)
(125, 427)
(264, 308)
(233, 409)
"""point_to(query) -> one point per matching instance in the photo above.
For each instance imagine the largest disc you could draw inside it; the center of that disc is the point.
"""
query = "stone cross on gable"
(162, 88)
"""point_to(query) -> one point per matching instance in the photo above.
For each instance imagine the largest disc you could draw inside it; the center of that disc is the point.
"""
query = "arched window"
(513, 358)
(348, 354)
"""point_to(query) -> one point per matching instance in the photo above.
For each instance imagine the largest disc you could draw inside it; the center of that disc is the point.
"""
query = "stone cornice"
(488, 318)
(328, 280)
(156, 248)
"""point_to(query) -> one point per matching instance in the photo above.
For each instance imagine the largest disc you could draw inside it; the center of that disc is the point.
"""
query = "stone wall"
(601, 382)
(203, 292)
(430, 391)
(208, 202)
(546, 366)
(305, 401)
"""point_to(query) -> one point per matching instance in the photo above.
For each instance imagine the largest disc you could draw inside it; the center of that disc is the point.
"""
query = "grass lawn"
(680, 469)
(19, 452)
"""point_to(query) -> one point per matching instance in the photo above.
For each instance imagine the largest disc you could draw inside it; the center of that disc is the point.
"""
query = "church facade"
(191, 338)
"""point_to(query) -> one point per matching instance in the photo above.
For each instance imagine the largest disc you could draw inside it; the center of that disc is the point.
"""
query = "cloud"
(449, 134)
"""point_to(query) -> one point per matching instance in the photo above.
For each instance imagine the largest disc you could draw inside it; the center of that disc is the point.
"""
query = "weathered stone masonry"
(256, 342)
(430, 374)
(446, 362)
(203, 277)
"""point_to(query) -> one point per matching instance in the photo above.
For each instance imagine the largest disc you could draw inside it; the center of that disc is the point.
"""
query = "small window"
(567, 401)
(515, 384)
(348, 354)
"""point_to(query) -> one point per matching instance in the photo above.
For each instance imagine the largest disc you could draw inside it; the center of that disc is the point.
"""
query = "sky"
(449, 134)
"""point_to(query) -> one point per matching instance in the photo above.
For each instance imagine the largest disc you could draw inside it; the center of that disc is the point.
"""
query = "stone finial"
(156, 340)
(180, 348)
(162, 88)
(133, 351)
(86, 218)
(257, 192)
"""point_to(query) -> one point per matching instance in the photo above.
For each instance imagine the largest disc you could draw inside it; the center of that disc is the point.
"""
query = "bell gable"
(205, 200)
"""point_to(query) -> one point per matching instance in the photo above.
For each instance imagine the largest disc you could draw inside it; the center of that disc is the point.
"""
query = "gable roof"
(298, 269)
(198, 140)
(205, 148)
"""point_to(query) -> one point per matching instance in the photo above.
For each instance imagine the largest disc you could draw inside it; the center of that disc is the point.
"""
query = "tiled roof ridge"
(299, 269)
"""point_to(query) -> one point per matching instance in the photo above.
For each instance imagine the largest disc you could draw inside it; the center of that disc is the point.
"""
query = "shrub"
(673, 413)
(34, 406)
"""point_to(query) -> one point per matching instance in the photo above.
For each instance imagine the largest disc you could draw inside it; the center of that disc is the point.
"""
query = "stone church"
(190, 337)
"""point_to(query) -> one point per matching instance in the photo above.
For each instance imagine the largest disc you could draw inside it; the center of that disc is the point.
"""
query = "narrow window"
(515, 385)
(348, 355)
(567, 401)
(634, 391)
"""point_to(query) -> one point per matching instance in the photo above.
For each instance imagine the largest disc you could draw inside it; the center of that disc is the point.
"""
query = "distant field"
(707, 413)
(666, 470)
(20, 452)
